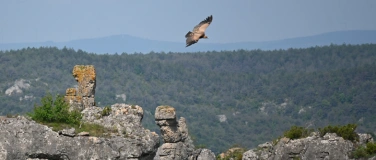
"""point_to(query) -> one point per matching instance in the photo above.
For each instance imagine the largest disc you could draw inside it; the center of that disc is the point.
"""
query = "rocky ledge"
(21, 138)
(314, 147)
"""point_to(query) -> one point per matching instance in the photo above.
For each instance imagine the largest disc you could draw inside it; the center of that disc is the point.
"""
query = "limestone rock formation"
(21, 138)
(74, 101)
(84, 97)
(328, 147)
(177, 143)
(202, 154)
(126, 119)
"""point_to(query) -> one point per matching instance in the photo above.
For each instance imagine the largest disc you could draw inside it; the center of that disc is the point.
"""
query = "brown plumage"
(198, 31)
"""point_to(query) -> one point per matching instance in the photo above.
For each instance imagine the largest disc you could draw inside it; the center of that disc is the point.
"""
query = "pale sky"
(170, 20)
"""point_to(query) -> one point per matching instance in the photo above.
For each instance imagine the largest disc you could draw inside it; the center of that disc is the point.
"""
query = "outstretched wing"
(192, 38)
(201, 27)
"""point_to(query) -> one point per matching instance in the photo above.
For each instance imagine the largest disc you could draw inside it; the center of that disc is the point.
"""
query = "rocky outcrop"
(314, 147)
(126, 119)
(84, 96)
(177, 143)
(21, 138)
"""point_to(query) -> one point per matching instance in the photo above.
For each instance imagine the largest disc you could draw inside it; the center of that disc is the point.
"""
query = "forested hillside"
(228, 97)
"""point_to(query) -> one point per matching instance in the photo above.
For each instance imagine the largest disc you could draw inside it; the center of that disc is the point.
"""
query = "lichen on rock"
(84, 96)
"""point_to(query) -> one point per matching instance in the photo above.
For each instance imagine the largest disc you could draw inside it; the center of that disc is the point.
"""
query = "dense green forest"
(261, 93)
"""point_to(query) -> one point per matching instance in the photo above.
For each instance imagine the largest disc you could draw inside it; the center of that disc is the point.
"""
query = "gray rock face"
(202, 154)
(126, 119)
(365, 138)
(250, 155)
(177, 143)
(21, 138)
(67, 132)
(328, 147)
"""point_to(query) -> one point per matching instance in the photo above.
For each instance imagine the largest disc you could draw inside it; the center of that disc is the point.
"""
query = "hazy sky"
(170, 20)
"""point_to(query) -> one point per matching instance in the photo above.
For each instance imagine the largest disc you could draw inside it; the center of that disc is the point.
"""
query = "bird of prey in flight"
(198, 31)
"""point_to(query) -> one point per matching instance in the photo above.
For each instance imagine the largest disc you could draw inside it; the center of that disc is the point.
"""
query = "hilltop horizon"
(124, 43)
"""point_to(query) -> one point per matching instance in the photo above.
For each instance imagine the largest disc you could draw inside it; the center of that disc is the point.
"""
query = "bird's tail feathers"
(188, 34)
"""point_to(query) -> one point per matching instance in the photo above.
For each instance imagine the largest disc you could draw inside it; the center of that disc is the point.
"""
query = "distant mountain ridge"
(130, 44)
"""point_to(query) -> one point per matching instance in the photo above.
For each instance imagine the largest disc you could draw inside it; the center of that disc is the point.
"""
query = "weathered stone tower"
(83, 97)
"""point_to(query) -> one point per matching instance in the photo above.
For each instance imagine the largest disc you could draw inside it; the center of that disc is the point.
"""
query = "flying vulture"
(198, 31)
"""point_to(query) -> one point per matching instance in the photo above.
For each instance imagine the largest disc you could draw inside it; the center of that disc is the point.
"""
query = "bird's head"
(206, 37)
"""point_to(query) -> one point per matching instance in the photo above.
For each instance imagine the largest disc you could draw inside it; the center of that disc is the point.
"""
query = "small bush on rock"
(346, 132)
(371, 148)
(365, 151)
(297, 132)
(106, 111)
(54, 111)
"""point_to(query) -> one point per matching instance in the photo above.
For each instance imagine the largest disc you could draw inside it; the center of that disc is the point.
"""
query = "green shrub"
(371, 148)
(360, 153)
(56, 114)
(365, 151)
(296, 132)
(346, 132)
(106, 111)
(54, 111)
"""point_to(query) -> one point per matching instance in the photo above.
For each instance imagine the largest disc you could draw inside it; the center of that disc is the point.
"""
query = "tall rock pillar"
(85, 94)
(177, 143)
